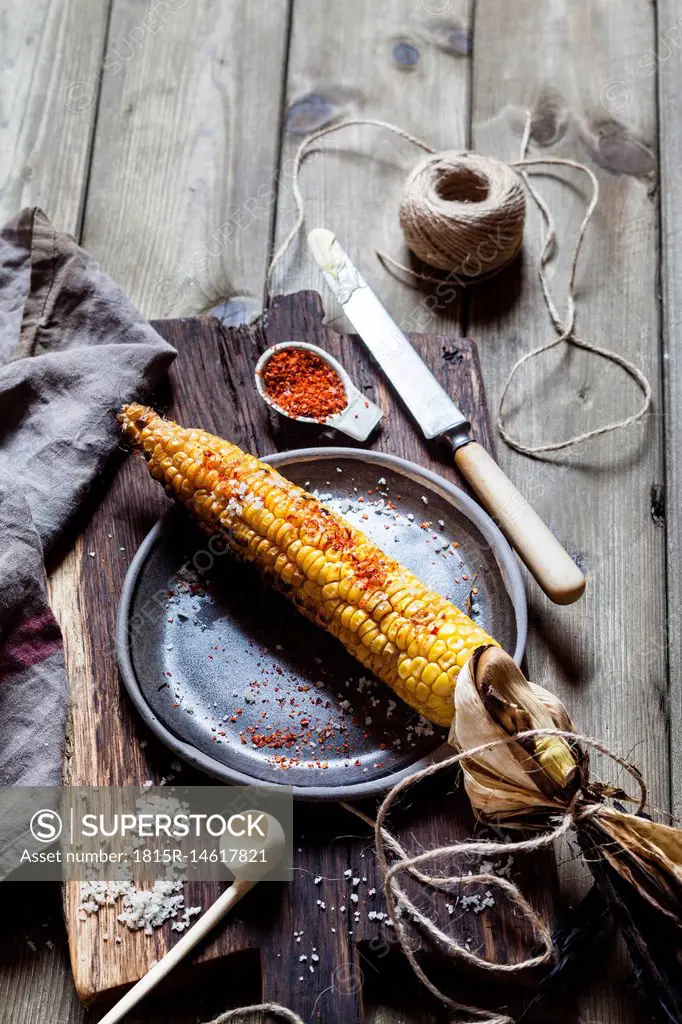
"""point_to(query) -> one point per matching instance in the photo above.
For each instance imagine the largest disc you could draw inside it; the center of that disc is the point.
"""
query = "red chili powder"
(303, 384)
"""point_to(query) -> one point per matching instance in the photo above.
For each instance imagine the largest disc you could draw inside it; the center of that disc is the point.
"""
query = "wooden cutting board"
(211, 383)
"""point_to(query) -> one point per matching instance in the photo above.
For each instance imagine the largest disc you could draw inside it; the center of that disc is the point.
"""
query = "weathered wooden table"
(161, 135)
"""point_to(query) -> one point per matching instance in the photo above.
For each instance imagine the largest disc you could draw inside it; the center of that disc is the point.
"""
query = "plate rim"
(507, 565)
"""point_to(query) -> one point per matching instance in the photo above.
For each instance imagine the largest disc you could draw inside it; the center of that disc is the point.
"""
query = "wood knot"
(658, 504)
(615, 148)
(308, 113)
(452, 355)
(405, 55)
(549, 118)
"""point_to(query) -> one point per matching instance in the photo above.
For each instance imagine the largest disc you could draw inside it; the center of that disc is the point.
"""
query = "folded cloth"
(73, 349)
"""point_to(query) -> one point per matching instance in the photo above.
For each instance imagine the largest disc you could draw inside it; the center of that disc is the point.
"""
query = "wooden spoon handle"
(546, 559)
(181, 948)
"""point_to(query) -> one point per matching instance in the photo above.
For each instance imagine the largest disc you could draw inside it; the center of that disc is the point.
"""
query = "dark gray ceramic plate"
(229, 675)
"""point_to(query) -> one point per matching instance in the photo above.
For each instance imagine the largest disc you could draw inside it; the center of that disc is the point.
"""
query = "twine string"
(400, 906)
(242, 1013)
(565, 329)
(302, 152)
(447, 233)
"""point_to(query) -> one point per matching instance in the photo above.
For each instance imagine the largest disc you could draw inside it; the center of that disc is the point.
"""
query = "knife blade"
(429, 403)
(438, 417)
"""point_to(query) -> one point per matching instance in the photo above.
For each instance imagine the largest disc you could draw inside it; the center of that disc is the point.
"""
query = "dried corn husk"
(493, 702)
(636, 862)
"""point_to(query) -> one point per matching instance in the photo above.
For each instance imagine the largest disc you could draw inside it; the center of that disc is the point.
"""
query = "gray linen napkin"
(73, 349)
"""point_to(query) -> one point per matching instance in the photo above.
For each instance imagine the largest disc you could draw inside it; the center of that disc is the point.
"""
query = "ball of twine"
(463, 211)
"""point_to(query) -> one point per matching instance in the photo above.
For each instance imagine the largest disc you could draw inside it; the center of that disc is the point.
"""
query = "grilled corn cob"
(411, 638)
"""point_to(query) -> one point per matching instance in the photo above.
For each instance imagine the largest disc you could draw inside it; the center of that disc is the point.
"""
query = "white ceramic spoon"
(357, 420)
(273, 843)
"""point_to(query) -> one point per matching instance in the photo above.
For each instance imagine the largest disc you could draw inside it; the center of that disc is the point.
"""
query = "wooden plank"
(180, 196)
(213, 366)
(49, 53)
(184, 164)
(596, 497)
(667, 62)
(395, 62)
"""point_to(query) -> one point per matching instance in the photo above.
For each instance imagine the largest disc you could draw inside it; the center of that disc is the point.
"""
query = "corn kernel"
(443, 685)
(404, 668)
(430, 673)
(378, 644)
(418, 666)
(357, 619)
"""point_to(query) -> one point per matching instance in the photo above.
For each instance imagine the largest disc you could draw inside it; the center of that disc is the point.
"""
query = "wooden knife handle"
(546, 559)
